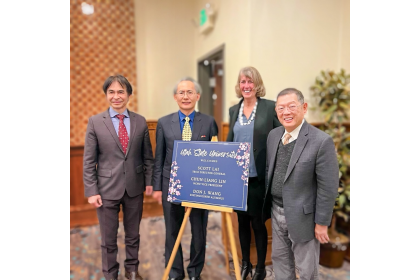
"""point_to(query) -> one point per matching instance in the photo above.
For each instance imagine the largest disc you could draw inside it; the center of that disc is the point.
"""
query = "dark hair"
(291, 91)
(121, 80)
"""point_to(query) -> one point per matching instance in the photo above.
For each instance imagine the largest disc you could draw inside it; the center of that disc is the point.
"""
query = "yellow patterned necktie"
(286, 139)
(186, 131)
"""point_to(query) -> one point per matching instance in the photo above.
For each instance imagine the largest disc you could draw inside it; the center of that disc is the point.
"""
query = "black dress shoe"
(246, 269)
(195, 278)
(133, 275)
(259, 274)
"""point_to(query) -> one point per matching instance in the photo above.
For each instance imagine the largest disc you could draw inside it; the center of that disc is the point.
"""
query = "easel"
(226, 216)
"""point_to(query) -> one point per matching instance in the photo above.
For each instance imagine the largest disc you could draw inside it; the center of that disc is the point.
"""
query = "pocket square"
(202, 136)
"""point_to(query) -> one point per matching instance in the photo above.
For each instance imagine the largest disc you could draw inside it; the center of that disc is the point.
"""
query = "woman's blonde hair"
(254, 75)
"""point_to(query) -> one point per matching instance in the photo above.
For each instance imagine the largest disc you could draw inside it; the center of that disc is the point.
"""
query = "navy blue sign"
(212, 173)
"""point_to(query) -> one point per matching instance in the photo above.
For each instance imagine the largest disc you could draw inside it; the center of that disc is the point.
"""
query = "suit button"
(255, 150)
(124, 172)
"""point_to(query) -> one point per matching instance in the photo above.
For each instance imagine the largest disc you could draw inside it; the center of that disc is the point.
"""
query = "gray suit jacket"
(168, 129)
(311, 181)
(106, 169)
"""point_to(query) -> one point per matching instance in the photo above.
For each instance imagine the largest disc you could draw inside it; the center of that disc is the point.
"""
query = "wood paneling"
(76, 177)
(225, 131)
(151, 125)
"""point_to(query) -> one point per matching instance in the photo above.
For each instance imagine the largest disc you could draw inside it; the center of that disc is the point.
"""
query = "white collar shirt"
(294, 133)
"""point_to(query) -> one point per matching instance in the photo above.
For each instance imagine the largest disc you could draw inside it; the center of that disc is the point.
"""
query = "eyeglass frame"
(288, 108)
(189, 93)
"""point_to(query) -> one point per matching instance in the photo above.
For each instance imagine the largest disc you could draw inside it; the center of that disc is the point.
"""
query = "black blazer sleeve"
(214, 129)
(232, 121)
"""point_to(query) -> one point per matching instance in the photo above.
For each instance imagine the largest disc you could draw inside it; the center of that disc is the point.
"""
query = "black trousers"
(174, 215)
(245, 220)
(108, 221)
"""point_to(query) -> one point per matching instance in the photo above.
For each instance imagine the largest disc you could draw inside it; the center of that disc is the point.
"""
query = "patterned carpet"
(85, 253)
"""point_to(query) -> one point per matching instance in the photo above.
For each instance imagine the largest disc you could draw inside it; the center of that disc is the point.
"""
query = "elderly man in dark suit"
(302, 184)
(187, 125)
(117, 167)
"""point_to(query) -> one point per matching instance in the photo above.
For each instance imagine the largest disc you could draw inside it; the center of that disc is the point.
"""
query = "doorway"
(211, 78)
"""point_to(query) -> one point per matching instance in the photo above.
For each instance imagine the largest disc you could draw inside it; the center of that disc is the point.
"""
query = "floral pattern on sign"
(243, 160)
(174, 184)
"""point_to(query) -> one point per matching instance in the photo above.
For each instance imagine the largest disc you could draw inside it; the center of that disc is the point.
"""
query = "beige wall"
(294, 40)
(164, 46)
(231, 28)
(289, 42)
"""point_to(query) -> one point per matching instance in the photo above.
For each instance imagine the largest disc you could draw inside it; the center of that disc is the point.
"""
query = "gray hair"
(287, 91)
(197, 86)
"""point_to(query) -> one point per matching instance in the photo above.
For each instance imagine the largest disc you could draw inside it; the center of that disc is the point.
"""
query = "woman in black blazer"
(250, 121)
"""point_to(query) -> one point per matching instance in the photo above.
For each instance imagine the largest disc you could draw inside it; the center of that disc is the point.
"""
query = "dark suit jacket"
(265, 121)
(167, 130)
(311, 181)
(106, 169)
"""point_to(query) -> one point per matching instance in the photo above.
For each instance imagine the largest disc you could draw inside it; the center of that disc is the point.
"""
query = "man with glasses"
(186, 125)
(301, 187)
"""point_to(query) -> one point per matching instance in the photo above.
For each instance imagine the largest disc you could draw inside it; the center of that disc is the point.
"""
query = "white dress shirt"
(294, 133)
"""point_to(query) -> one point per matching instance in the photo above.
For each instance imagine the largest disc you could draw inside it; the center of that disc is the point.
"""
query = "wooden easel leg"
(225, 240)
(233, 246)
(178, 241)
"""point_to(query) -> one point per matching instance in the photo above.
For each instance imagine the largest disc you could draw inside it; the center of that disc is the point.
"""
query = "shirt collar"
(294, 133)
(112, 113)
(182, 116)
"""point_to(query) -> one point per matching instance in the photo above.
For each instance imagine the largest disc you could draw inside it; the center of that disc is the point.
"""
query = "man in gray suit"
(187, 125)
(301, 188)
(117, 166)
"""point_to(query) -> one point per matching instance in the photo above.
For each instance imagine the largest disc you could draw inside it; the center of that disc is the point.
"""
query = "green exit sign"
(203, 17)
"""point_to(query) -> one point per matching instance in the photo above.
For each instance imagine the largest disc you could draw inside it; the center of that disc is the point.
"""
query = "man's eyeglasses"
(291, 107)
(188, 93)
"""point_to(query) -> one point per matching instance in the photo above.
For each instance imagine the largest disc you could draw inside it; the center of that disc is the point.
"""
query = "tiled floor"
(85, 254)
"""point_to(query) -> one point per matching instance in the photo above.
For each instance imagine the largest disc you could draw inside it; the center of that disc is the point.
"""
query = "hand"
(149, 190)
(321, 233)
(158, 196)
(95, 200)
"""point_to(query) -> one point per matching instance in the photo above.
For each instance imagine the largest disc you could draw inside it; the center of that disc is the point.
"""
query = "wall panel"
(101, 44)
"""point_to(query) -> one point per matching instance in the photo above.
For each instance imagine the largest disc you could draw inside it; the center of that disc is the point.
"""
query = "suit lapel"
(175, 126)
(133, 126)
(300, 145)
(111, 129)
(273, 151)
(196, 127)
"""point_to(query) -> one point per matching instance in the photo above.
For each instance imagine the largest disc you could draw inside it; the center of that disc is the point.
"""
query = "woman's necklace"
(241, 111)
